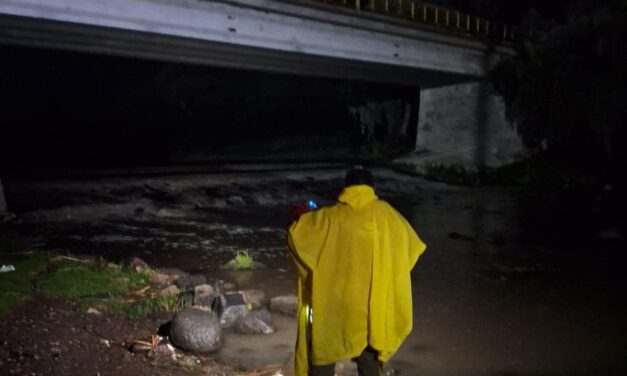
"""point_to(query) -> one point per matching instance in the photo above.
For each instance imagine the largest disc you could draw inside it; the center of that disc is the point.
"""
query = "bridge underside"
(38, 33)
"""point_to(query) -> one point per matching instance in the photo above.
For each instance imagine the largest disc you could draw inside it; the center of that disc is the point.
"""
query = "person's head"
(358, 175)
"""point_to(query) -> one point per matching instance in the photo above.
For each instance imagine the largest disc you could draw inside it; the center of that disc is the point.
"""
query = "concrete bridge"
(299, 37)
(305, 37)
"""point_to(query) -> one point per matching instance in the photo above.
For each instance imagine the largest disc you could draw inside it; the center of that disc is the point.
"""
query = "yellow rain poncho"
(354, 261)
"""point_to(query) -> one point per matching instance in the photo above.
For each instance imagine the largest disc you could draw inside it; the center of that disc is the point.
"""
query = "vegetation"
(91, 282)
(243, 260)
(565, 89)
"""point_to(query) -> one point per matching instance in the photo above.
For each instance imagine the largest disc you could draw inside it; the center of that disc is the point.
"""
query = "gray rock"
(231, 314)
(217, 284)
(287, 305)
(166, 276)
(161, 279)
(256, 298)
(188, 281)
(207, 301)
(204, 290)
(196, 330)
(138, 264)
(256, 322)
(169, 291)
(205, 295)
(236, 201)
(229, 287)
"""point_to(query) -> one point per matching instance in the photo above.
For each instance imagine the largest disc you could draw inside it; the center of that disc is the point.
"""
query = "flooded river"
(508, 286)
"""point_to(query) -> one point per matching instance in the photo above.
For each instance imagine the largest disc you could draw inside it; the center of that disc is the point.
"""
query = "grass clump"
(72, 281)
(135, 309)
(88, 282)
(17, 286)
(243, 260)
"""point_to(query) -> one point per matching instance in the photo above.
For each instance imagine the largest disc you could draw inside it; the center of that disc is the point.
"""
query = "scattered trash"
(93, 311)
(105, 342)
(7, 268)
(141, 346)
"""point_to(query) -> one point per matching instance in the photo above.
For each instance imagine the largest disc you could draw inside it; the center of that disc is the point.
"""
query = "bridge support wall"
(386, 127)
(464, 125)
(4, 213)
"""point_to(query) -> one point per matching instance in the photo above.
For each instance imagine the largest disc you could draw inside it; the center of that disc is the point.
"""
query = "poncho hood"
(358, 196)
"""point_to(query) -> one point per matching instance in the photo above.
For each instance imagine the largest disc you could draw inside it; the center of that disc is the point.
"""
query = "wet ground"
(511, 284)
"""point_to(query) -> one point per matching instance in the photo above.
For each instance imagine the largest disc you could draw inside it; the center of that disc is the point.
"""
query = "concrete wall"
(384, 126)
(3, 203)
(465, 125)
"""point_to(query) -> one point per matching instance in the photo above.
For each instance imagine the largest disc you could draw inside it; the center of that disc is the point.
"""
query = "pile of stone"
(209, 309)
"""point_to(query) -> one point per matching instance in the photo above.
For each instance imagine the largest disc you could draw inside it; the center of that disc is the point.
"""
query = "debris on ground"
(7, 268)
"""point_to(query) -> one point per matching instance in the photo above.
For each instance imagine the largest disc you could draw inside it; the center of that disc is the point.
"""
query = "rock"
(169, 291)
(236, 201)
(172, 271)
(188, 281)
(204, 295)
(166, 276)
(229, 287)
(218, 285)
(231, 314)
(138, 265)
(204, 290)
(287, 305)
(196, 330)
(256, 322)
(256, 298)
(160, 279)
(207, 301)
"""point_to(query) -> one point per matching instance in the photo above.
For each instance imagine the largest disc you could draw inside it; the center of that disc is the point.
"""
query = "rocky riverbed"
(509, 285)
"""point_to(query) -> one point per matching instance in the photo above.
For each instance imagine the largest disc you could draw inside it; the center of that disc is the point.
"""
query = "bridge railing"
(432, 15)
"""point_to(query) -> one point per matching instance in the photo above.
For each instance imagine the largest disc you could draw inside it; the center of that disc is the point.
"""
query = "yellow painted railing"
(431, 15)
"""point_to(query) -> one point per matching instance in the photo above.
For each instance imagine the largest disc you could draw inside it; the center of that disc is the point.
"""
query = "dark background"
(73, 109)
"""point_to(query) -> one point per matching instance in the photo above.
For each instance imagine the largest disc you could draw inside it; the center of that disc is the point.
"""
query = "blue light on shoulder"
(312, 205)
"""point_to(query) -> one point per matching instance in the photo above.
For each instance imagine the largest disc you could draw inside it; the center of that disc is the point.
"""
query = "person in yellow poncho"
(354, 289)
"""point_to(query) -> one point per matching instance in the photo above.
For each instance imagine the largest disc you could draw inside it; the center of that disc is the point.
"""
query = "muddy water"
(486, 302)
(492, 296)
